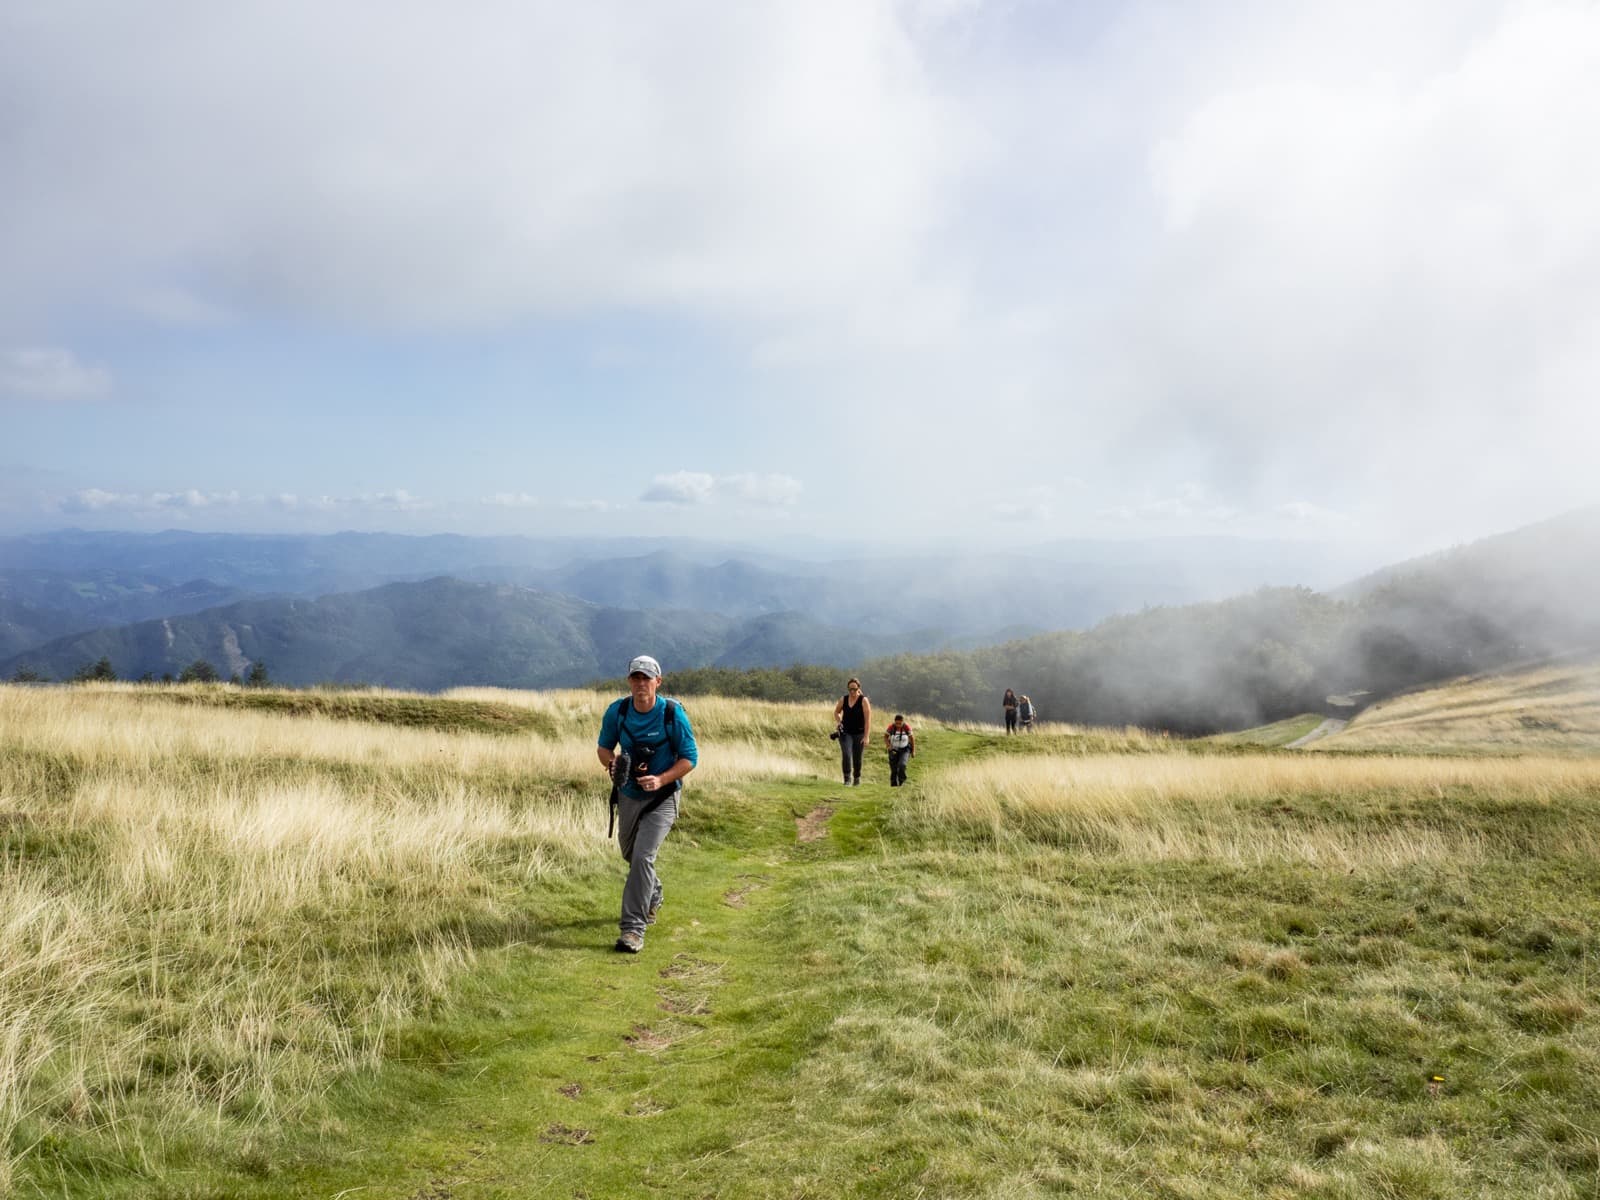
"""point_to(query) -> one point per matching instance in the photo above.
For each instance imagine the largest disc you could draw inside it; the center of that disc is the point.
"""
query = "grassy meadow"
(1549, 709)
(357, 944)
(212, 910)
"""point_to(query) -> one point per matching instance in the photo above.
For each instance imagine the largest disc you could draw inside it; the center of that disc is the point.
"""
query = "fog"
(887, 269)
(1504, 602)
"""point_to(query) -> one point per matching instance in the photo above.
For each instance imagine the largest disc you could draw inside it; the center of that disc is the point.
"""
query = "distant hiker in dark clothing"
(1009, 703)
(653, 732)
(1025, 713)
(902, 745)
(854, 715)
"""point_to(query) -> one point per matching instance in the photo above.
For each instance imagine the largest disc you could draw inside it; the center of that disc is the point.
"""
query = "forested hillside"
(435, 634)
(1194, 668)
(1202, 668)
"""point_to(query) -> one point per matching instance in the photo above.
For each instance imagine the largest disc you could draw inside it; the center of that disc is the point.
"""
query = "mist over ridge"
(1194, 664)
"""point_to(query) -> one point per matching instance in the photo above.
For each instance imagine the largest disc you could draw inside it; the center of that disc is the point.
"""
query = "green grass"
(906, 1009)
(415, 712)
(1279, 733)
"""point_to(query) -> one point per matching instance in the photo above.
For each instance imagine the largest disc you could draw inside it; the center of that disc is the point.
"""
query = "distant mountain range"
(538, 613)
(37, 606)
(53, 585)
(442, 633)
(1520, 597)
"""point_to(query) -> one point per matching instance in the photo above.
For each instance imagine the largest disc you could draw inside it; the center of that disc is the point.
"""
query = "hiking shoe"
(655, 910)
(629, 943)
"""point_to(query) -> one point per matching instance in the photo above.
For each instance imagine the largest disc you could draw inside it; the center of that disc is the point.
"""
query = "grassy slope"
(905, 1010)
(1279, 733)
(385, 708)
(1553, 708)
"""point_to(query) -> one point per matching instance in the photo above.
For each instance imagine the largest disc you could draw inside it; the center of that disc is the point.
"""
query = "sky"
(996, 271)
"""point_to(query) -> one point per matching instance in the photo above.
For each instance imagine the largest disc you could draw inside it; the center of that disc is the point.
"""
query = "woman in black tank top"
(854, 715)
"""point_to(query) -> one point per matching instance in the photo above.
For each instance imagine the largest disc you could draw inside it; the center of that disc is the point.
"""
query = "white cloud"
(1035, 503)
(697, 487)
(49, 373)
(1343, 251)
(1192, 505)
(177, 307)
(396, 501)
(1009, 511)
(596, 506)
(1378, 262)
(766, 491)
(293, 502)
(100, 500)
(511, 500)
(681, 487)
(1305, 512)
(194, 500)
(190, 499)
(563, 158)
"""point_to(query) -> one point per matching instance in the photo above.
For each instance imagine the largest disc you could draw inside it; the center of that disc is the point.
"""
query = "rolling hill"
(1551, 707)
(956, 596)
(440, 633)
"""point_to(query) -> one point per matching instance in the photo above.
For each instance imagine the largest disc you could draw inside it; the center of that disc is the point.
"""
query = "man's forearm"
(676, 771)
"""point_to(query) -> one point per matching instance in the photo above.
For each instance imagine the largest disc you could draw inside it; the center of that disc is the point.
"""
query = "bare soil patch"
(813, 827)
(686, 1004)
(648, 1040)
(565, 1135)
(734, 897)
(688, 967)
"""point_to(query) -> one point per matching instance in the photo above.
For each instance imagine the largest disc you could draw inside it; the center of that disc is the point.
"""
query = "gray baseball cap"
(645, 665)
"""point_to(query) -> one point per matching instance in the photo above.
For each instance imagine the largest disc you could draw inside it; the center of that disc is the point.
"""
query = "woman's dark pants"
(850, 746)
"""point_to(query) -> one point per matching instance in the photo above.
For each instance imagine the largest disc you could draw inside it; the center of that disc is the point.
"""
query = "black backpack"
(669, 720)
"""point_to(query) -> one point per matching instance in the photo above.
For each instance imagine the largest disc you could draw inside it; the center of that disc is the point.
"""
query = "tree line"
(1204, 668)
(199, 671)
(1198, 668)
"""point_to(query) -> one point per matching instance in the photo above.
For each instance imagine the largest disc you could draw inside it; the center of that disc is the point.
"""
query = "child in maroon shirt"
(902, 745)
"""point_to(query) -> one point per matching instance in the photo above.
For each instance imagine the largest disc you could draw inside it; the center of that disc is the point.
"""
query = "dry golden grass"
(1552, 709)
(1352, 813)
(214, 911)
(117, 726)
(1064, 738)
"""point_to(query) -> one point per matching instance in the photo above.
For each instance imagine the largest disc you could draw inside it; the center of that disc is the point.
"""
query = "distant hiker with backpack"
(902, 745)
(1025, 713)
(1008, 703)
(853, 715)
(647, 747)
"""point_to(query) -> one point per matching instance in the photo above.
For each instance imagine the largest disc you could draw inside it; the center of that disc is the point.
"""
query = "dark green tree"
(100, 672)
(257, 675)
(27, 675)
(199, 671)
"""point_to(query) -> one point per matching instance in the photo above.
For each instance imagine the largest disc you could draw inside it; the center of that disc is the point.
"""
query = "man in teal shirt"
(654, 732)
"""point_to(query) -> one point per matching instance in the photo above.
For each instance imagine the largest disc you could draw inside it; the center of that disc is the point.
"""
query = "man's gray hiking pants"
(639, 836)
